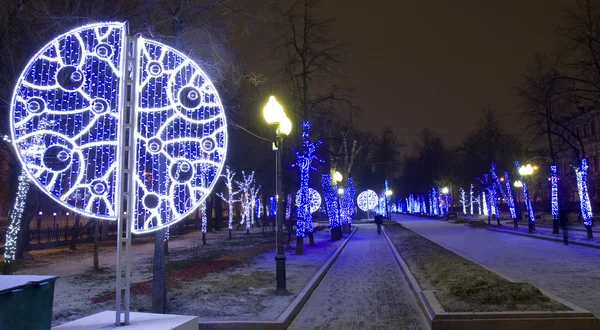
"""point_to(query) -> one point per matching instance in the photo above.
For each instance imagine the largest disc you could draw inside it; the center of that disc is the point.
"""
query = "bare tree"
(310, 59)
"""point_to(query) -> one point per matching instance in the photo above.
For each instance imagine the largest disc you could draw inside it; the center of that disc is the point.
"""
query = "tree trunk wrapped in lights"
(230, 199)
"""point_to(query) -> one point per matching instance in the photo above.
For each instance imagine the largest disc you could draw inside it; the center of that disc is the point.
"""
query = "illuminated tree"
(230, 199)
(304, 162)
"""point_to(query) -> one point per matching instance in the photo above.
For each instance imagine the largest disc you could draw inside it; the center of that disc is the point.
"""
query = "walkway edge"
(590, 245)
(288, 315)
(412, 282)
(431, 307)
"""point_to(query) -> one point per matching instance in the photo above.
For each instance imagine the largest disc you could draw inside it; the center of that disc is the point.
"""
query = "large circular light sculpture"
(67, 114)
(314, 199)
(367, 200)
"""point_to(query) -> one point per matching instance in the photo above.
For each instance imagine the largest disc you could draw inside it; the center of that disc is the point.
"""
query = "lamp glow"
(337, 177)
(445, 190)
(518, 184)
(340, 191)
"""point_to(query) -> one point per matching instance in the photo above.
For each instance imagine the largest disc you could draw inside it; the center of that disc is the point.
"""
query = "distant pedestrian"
(378, 222)
(563, 221)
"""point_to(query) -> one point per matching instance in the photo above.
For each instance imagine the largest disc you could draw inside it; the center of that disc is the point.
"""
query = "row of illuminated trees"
(492, 189)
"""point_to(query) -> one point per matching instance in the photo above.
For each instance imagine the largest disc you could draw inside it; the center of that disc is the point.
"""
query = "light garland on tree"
(435, 202)
(509, 197)
(528, 205)
(272, 206)
(331, 200)
(246, 187)
(584, 197)
(471, 199)
(12, 232)
(554, 192)
(350, 199)
(76, 82)
(463, 200)
(485, 206)
(230, 194)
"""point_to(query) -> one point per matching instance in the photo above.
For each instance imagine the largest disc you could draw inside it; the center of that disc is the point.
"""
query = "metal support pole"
(280, 212)
(125, 183)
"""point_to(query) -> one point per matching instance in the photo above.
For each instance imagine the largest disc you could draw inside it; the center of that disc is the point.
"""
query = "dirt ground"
(223, 280)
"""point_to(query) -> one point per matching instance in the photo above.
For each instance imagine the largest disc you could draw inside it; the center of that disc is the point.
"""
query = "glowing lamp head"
(526, 169)
(337, 177)
(445, 190)
(518, 184)
(54, 214)
(40, 213)
(67, 213)
(340, 191)
(388, 193)
(285, 126)
(273, 111)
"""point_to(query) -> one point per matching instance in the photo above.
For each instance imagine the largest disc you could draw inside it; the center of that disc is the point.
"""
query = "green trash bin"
(26, 302)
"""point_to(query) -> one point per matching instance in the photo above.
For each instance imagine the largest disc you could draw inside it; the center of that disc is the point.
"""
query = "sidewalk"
(576, 236)
(364, 289)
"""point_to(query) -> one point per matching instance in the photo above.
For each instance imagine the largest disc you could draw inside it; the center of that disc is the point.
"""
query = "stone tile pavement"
(571, 272)
(364, 289)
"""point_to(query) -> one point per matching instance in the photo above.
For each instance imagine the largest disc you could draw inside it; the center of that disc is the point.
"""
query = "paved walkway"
(364, 289)
(569, 271)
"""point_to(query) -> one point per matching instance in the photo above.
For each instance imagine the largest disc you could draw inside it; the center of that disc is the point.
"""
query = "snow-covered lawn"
(224, 280)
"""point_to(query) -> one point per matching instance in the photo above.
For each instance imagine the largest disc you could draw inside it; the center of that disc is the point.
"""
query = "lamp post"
(336, 233)
(445, 191)
(274, 114)
(67, 214)
(525, 171)
(54, 217)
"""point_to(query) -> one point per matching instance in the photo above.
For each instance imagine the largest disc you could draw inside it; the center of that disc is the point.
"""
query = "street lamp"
(274, 114)
(54, 216)
(445, 191)
(67, 214)
(525, 171)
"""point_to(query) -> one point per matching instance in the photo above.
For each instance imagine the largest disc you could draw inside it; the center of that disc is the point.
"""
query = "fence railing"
(48, 237)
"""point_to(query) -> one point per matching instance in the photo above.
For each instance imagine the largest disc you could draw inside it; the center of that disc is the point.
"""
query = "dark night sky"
(439, 63)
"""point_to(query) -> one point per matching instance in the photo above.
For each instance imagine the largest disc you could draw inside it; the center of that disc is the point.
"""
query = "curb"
(288, 315)
(438, 319)
(552, 239)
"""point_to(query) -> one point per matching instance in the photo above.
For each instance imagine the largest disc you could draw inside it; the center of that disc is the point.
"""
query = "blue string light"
(554, 192)
(331, 200)
(304, 162)
(584, 197)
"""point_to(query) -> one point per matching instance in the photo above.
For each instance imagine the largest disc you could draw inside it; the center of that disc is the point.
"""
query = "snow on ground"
(243, 292)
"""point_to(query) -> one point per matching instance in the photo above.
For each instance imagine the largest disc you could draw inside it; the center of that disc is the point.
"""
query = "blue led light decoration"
(272, 206)
(509, 197)
(554, 192)
(304, 162)
(506, 195)
(71, 97)
(331, 201)
(349, 202)
(434, 203)
(314, 200)
(584, 197)
(528, 205)
(367, 200)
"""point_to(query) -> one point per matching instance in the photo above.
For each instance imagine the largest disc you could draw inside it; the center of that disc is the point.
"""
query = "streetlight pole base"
(280, 274)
